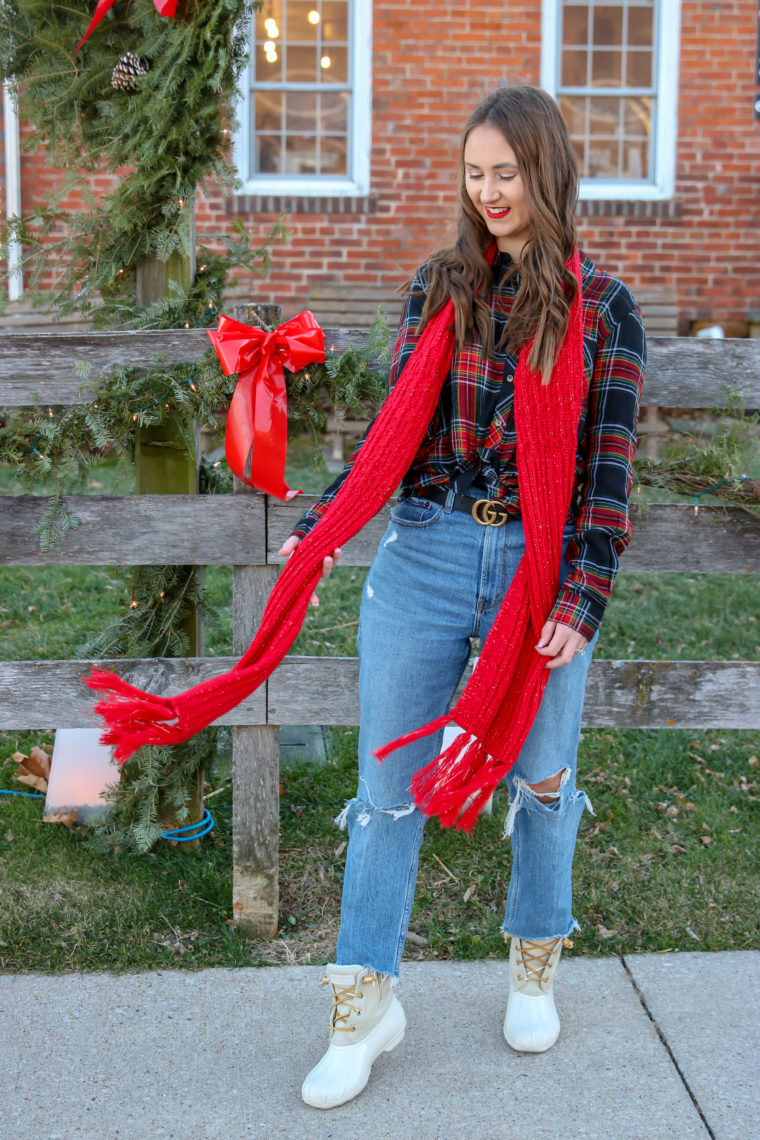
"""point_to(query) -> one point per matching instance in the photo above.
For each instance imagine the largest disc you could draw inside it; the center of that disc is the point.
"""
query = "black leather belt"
(487, 512)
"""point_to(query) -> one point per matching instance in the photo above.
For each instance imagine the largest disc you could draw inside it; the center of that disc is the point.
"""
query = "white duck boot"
(531, 1024)
(366, 1019)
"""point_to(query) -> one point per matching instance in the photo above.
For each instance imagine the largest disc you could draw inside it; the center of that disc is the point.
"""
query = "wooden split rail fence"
(246, 530)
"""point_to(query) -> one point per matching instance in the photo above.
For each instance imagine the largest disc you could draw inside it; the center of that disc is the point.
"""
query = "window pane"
(637, 117)
(606, 68)
(640, 27)
(262, 21)
(334, 21)
(574, 68)
(636, 160)
(639, 69)
(268, 111)
(301, 64)
(575, 24)
(602, 159)
(334, 111)
(608, 25)
(604, 118)
(334, 155)
(268, 64)
(333, 65)
(299, 28)
(301, 112)
(300, 154)
(268, 151)
(573, 109)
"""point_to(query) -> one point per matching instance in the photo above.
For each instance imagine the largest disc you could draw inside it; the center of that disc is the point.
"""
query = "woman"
(468, 530)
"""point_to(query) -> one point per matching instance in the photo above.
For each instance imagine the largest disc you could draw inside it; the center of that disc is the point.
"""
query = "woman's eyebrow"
(496, 166)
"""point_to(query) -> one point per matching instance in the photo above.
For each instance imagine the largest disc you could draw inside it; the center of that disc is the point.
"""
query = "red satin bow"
(163, 7)
(257, 423)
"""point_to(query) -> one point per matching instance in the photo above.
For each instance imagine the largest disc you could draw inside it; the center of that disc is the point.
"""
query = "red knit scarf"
(500, 702)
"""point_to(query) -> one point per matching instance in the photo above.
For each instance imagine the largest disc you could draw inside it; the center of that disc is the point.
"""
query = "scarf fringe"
(132, 717)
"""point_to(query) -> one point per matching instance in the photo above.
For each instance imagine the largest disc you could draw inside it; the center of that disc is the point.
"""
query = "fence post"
(255, 749)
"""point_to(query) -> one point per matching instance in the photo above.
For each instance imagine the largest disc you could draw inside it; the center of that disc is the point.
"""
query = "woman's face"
(495, 188)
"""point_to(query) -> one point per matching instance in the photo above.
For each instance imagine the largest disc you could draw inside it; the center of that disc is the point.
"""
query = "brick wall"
(432, 61)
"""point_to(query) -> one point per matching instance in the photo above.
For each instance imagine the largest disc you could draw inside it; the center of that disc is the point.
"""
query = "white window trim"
(360, 127)
(665, 133)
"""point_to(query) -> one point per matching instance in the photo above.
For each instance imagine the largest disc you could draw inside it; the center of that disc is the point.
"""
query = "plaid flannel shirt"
(456, 441)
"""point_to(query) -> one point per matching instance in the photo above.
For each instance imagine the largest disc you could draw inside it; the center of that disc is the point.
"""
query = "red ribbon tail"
(102, 7)
(410, 737)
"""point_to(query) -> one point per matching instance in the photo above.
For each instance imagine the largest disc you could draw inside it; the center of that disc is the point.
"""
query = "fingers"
(328, 563)
(560, 644)
(289, 546)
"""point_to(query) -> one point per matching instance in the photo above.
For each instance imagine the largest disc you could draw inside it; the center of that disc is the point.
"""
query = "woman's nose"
(489, 191)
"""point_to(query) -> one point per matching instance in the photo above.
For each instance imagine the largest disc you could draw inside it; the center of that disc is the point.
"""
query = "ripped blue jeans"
(438, 579)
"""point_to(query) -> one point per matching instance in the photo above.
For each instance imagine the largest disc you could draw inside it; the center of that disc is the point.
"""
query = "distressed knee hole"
(361, 811)
(548, 791)
(545, 796)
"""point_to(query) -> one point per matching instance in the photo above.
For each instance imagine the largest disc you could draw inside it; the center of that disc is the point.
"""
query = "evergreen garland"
(165, 136)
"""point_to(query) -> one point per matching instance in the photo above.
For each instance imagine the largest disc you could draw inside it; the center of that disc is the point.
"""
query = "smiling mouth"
(496, 214)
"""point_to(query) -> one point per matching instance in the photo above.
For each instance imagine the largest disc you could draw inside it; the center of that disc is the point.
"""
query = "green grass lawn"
(670, 861)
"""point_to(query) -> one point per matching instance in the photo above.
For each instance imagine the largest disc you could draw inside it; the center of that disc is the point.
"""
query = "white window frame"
(356, 183)
(665, 127)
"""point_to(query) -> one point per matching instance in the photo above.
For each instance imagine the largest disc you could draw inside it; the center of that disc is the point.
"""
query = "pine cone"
(127, 70)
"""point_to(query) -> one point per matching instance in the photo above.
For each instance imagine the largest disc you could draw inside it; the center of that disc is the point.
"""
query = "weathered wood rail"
(246, 530)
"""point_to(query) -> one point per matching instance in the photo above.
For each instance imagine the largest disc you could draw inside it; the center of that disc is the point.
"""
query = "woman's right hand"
(328, 562)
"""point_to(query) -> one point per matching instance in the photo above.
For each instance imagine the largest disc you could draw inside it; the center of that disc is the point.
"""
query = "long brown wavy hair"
(531, 123)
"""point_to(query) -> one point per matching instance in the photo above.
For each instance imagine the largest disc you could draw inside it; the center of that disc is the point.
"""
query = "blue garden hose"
(179, 834)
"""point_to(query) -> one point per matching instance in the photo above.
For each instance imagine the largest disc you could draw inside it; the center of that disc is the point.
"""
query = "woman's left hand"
(561, 643)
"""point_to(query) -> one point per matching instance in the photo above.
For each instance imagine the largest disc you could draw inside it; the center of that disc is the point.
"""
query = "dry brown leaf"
(705, 840)
(66, 816)
(32, 770)
(36, 782)
(603, 932)
(469, 892)
(677, 849)
(753, 761)
(39, 757)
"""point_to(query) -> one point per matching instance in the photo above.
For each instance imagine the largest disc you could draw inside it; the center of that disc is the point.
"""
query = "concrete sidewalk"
(663, 1047)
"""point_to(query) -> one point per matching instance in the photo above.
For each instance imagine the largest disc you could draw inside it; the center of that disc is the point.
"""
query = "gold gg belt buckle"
(489, 512)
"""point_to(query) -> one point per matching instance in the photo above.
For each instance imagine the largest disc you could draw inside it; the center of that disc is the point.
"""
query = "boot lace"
(536, 957)
(345, 997)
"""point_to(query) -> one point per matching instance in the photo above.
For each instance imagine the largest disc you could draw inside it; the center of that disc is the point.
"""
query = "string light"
(272, 30)
(325, 62)
(313, 16)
